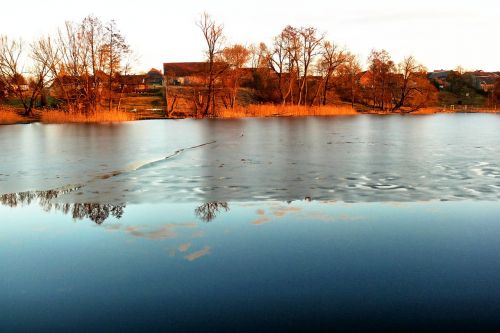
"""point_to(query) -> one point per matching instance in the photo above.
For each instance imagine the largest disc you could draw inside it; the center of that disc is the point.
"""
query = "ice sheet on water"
(393, 159)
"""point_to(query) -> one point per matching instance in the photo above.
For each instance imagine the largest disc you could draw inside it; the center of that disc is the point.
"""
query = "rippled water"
(305, 224)
(352, 159)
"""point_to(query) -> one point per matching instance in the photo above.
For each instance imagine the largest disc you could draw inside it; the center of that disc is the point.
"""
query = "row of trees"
(302, 67)
(85, 62)
(80, 64)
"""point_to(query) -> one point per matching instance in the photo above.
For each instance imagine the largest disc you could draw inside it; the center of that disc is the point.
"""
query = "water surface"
(310, 224)
(355, 159)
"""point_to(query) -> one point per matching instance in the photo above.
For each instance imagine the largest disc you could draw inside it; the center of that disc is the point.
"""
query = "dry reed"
(10, 116)
(53, 116)
(268, 110)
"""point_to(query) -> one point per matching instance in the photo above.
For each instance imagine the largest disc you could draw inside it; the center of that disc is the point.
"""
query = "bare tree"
(277, 59)
(310, 43)
(114, 51)
(12, 67)
(258, 56)
(44, 56)
(413, 89)
(408, 69)
(284, 59)
(331, 58)
(80, 72)
(214, 37)
(291, 57)
(85, 60)
(293, 50)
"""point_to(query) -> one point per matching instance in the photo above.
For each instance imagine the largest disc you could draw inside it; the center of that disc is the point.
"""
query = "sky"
(441, 34)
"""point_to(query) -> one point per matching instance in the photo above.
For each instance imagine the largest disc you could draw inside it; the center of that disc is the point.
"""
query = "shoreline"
(13, 116)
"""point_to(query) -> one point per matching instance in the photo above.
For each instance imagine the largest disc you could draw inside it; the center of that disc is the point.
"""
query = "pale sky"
(441, 34)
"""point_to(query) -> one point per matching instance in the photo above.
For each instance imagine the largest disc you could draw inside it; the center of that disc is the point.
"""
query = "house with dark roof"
(153, 78)
(191, 73)
(439, 74)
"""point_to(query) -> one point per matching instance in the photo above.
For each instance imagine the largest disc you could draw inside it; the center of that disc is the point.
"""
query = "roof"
(483, 74)
(154, 71)
(133, 79)
(439, 74)
(487, 79)
(179, 69)
(184, 68)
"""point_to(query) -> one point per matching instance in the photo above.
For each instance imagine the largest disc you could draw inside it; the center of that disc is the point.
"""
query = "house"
(139, 83)
(483, 81)
(185, 73)
(153, 78)
(439, 74)
(191, 73)
(440, 77)
(133, 83)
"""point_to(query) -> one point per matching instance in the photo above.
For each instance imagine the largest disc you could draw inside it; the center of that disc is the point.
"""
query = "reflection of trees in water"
(96, 212)
(208, 211)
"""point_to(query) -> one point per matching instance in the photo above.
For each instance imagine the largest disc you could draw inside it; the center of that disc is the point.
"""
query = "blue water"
(125, 240)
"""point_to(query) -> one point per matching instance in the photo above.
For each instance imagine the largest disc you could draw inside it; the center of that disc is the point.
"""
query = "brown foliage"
(235, 57)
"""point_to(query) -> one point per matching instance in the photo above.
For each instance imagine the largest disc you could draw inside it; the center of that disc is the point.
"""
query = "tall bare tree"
(277, 59)
(310, 45)
(44, 56)
(214, 37)
(331, 57)
(115, 49)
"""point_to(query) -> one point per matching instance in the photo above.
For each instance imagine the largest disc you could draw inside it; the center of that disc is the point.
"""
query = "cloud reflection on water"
(198, 254)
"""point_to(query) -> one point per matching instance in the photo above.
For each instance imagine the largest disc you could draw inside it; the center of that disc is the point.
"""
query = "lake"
(305, 224)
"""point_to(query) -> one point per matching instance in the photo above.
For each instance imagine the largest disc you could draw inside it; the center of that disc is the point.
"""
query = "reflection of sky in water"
(320, 263)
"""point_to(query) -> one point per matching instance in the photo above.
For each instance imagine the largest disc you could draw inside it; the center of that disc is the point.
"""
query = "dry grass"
(98, 117)
(267, 110)
(10, 116)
